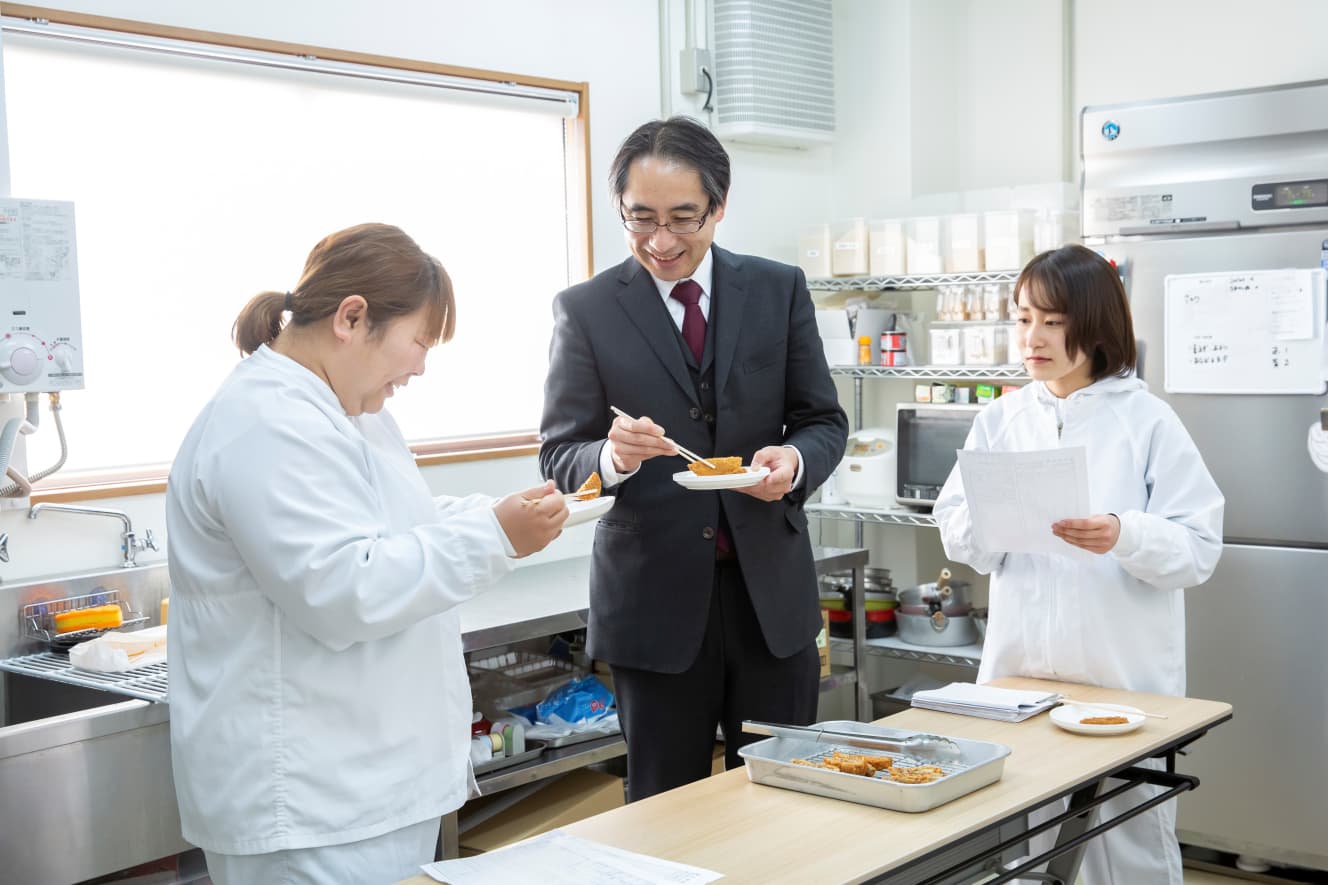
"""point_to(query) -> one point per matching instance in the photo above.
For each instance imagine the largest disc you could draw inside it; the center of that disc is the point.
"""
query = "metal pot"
(874, 580)
(936, 630)
(951, 598)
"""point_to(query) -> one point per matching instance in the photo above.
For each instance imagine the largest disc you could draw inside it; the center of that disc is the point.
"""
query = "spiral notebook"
(986, 701)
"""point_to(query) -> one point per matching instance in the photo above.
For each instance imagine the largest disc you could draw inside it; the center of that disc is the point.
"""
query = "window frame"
(152, 480)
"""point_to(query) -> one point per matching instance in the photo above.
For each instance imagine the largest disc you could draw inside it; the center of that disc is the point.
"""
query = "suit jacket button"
(708, 533)
(709, 418)
(694, 413)
(705, 385)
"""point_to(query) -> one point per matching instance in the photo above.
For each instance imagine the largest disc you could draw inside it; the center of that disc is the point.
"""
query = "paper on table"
(1014, 497)
(988, 702)
(558, 858)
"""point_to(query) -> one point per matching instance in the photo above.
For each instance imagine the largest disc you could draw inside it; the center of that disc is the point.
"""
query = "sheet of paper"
(558, 858)
(1014, 497)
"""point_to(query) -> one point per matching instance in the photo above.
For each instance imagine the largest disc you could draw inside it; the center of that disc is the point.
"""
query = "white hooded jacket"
(318, 691)
(1118, 621)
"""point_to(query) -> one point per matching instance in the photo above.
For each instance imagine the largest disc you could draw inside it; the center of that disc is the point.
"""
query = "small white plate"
(748, 477)
(584, 511)
(1067, 716)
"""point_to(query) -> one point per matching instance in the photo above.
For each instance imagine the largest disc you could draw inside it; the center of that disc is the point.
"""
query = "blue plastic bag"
(581, 700)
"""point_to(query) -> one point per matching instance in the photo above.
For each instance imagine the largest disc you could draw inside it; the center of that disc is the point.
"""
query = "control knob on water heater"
(20, 360)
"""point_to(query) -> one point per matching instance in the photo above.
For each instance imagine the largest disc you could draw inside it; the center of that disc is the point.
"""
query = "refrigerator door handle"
(1178, 227)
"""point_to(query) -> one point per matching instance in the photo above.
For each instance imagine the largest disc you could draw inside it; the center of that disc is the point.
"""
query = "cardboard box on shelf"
(575, 796)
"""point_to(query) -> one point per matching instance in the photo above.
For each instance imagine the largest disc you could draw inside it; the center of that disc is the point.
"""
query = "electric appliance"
(41, 339)
(1202, 201)
(866, 475)
(927, 437)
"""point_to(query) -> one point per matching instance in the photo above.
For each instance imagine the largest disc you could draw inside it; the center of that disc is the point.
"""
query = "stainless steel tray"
(769, 762)
(533, 748)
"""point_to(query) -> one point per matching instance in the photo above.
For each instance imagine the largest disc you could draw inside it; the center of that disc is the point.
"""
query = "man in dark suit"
(702, 602)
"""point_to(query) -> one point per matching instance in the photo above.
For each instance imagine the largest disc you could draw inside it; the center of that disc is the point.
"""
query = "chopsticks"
(687, 454)
(1107, 709)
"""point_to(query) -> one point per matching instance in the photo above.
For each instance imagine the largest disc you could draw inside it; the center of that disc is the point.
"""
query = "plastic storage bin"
(966, 244)
(814, 251)
(985, 345)
(849, 242)
(1008, 234)
(926, 245)
(887, 244)
(947, 345)
(1053, 228)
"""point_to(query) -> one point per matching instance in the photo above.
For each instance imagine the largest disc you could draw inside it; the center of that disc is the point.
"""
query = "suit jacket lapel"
(727, 306)
(641, 300)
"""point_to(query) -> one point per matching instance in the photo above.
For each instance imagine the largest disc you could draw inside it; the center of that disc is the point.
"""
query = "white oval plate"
(584, 511)
(1067, 716)
(748, 477)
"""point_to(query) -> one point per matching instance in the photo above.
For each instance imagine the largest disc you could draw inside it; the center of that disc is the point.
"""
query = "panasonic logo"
(1262, 198)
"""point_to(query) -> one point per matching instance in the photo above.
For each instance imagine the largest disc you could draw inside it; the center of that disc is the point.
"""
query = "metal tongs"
(933, 745)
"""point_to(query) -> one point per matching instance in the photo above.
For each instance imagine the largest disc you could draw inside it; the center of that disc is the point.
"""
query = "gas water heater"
(41, 336)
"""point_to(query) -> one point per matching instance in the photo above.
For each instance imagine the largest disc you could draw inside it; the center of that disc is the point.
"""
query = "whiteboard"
(1254, 331)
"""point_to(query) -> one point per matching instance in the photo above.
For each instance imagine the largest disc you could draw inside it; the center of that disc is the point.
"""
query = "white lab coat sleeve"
(955, 521)
(1177, 540)
(316, 535)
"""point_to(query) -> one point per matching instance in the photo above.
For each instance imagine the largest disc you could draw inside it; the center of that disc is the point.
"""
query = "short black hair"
(682, 140)
(1083, 286)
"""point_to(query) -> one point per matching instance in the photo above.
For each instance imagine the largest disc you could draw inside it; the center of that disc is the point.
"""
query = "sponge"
(97, 617)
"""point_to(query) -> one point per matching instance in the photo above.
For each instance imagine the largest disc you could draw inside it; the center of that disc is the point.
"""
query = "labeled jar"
(864, 350)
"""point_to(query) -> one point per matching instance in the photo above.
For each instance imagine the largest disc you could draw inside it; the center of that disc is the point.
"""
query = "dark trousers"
(669, 719)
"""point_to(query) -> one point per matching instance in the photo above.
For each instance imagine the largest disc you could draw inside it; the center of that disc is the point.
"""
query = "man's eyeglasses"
(678, 228)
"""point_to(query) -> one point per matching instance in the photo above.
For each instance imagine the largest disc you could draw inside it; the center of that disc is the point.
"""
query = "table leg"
(449, 839)
(861, 696)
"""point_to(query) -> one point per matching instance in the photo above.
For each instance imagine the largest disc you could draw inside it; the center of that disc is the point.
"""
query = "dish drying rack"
(37, 622)
(516, 678)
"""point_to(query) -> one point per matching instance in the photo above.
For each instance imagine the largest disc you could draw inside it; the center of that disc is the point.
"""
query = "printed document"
(1014, 497)
(558, 858)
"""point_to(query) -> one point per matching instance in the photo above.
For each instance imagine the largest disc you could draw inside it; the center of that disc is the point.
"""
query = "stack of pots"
(880, 602)
(937, 614)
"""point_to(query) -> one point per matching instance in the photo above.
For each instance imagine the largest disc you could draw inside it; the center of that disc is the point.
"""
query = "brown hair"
(1084, 287)
(376, 261)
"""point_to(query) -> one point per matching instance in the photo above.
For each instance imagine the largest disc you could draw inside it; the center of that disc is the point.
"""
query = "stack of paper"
(988, 702)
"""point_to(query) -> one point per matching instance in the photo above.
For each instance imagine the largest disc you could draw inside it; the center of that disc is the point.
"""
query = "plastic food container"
(1008, 235)
(849, 248)
(966, 244)
(947, 345)
(814, 251)
(887, 247)
(985, 345)
(926, 248)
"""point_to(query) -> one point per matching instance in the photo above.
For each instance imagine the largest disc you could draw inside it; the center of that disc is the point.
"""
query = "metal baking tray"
(769, 762)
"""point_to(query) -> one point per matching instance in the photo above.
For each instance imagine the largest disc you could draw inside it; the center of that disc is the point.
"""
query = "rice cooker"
(866, 476)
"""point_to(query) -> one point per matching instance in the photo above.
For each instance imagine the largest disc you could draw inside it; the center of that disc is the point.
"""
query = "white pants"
(1141, 851)
(384, 859)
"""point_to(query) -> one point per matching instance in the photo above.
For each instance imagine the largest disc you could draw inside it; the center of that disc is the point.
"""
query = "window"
(203, 174)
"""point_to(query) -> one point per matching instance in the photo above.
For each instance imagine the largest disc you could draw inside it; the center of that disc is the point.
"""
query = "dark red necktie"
(693, 321)
(693, 332)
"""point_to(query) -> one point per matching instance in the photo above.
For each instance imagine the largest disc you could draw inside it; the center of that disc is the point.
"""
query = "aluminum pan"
(768, 762)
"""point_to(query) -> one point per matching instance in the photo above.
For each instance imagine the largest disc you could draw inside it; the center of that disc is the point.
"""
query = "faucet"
(131, 542)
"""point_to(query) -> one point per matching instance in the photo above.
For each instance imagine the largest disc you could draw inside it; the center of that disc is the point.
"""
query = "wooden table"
(754, 833)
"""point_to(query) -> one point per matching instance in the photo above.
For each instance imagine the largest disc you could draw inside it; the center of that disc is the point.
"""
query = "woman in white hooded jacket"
(1119, 619)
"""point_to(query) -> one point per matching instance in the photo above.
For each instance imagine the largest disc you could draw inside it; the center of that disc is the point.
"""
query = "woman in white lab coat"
(320, 708)
(1117, 620)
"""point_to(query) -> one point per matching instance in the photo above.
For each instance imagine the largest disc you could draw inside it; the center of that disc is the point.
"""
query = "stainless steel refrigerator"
(1207, 184)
